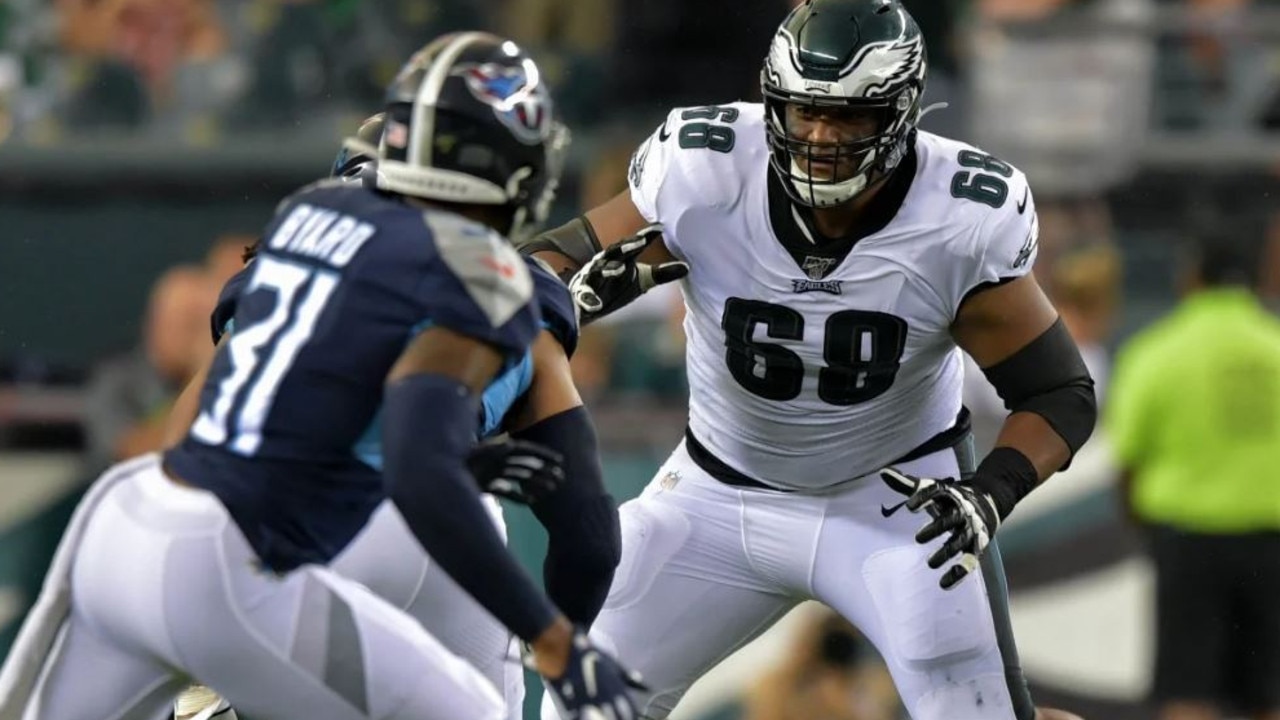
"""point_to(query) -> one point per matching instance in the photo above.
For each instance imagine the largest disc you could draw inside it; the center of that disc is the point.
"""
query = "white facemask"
(827, 194)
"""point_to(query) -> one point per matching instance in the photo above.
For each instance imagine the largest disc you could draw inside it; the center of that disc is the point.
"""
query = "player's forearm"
(144, 437)
(1031, 435)
(184, 410)
(1027, 452)
(429, 424)
(568, 247)
(1047, 389)
(581, 518)
(187, 405)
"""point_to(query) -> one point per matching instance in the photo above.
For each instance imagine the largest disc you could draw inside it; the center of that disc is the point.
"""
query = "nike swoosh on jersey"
(663, 134)
(1022, 206)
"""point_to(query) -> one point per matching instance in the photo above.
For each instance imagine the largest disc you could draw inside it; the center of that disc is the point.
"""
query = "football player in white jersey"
(838, 260)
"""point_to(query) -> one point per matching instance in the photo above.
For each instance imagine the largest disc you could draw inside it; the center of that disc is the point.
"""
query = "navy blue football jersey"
(345, 279)
(558, 318)
(222, 319)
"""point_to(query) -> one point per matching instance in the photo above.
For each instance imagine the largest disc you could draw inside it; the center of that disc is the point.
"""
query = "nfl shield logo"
(817, 267)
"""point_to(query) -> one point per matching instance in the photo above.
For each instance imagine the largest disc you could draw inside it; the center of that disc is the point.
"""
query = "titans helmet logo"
(518, 98)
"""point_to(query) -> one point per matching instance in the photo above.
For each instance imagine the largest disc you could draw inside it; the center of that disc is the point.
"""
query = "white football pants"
(163, 589)
(706, 567)
(388, 559)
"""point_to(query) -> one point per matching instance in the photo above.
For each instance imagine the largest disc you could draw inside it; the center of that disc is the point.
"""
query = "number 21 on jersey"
(261, 353)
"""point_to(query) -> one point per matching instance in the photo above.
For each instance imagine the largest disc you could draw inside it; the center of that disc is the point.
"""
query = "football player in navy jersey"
(366, 309)
(534, 400)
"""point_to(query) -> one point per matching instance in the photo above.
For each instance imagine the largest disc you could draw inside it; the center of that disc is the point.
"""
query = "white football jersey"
(806, 373)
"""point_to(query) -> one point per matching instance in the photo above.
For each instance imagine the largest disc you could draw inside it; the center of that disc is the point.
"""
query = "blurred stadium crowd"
(143, 142)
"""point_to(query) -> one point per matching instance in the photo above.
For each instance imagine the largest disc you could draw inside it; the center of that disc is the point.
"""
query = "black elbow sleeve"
(1049, 378)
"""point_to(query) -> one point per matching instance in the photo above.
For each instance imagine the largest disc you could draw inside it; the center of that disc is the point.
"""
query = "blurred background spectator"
(143, 143)
(129, 396)
(1198, 473)
(830, 673)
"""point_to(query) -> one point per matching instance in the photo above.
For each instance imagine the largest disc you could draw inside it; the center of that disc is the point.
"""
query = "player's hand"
(965, 514)
(593, 685)
(614, 277)
(518, 470)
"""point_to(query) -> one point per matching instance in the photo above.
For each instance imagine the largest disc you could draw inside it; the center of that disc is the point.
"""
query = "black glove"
(517, 470)
(594, 685)
(967, 514)
(614, 278)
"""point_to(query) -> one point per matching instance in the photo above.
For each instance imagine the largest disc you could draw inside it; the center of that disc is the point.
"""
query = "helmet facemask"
(830, 152)
(533, 196)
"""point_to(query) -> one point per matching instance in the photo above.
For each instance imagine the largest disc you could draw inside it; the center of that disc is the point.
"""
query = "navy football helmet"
(469, 119)
(859, 59)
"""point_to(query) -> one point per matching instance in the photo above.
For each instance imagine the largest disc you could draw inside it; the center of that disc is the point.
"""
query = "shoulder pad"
(696, 157)
(485, 290)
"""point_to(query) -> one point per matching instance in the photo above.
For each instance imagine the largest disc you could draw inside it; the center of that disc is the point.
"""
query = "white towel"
(44, 623)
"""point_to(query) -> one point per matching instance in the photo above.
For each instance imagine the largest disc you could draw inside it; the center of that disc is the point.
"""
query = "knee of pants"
(923, 626)
(981, 697)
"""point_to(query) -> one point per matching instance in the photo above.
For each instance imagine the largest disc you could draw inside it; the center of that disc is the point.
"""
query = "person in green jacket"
(1194, 418)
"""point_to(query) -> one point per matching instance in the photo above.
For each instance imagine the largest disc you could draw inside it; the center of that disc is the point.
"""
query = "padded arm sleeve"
(429, 426)
(1049, 378)
(575, 240)
(585, 539)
